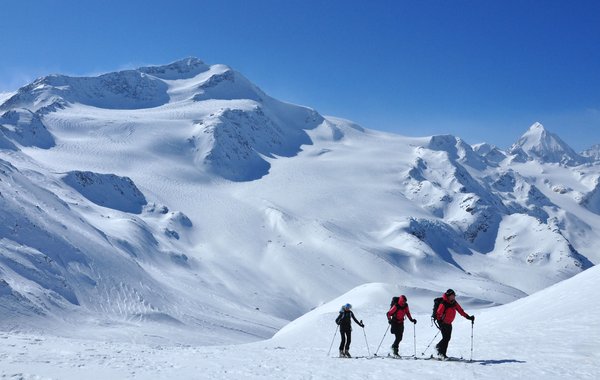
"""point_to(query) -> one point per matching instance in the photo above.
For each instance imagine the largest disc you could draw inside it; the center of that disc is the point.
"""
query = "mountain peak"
(540, 144)
(128, 89)
(537, 126)
(592, 152)
(536, 132)
(490, 152)
(181, 69)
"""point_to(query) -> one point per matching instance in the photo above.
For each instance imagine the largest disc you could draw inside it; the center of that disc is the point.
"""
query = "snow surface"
(553, 333)
(4, 96)
(172, 212)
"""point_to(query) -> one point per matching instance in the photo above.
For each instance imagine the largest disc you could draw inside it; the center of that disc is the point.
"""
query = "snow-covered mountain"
(183, 202)
(491, 153)
(538, 143)
(592, 152)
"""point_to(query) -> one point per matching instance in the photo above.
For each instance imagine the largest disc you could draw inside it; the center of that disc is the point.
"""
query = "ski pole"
(367, 343)
(415, 338)
(332, 340)
(423, 353)
(386, 330)
(472, 323)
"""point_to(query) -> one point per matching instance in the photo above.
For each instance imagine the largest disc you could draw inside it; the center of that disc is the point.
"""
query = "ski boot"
(347, 353)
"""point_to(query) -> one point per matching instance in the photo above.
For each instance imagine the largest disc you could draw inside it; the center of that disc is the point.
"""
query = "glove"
(390, 321)
(337, 323)
(414, 321)
(361, 324)
(472, 318)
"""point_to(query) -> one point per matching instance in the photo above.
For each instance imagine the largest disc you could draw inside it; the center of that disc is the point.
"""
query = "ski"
(389, 356)
(353, 357)
(400, 357)
(448, 359)
(410, 357)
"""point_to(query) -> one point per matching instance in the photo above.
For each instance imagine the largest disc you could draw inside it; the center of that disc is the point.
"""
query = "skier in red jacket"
(445, 314)
(396, 317)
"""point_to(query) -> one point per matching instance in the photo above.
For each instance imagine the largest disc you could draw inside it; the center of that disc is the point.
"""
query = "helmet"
(347, 306)
(450, 292)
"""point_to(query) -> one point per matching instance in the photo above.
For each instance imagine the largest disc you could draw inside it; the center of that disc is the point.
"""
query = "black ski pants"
(398, 331)
(346, 338)
(446, 330)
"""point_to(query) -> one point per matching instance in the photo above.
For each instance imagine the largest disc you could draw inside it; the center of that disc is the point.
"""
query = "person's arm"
(338, 320)
(355, 320)
(391, 312)
(410, 318)
(462, 312)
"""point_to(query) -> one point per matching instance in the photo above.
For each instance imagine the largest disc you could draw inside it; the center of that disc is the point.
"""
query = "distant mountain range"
(182, 198)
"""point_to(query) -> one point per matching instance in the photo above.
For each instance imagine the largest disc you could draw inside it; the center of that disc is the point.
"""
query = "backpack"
(436, 305)
(398, 307)
(395, 303)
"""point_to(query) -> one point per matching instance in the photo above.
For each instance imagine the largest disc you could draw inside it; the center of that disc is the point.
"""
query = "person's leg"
(348, 340)
(439, 344)
(398, 332)
(442, 345)
(343, 342)
(396, 343)
(446, 335)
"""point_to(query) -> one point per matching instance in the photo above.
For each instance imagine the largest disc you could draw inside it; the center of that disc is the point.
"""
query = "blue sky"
(481, 70)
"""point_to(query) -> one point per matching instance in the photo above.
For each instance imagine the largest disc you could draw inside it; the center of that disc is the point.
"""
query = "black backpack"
(394, 301)
(436, 305)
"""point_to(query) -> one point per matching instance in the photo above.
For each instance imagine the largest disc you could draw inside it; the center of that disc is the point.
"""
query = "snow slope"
(182, 204)
(4, 96)
(553, 333)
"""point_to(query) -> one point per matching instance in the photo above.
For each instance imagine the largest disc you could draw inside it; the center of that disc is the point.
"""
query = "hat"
(449, 292)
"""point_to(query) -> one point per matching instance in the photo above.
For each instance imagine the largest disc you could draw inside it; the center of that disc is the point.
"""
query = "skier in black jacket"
(343, 320)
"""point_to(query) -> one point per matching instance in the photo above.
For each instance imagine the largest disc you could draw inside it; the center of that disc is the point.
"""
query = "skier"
(396, 317)
(343, 320)
(445, 314)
